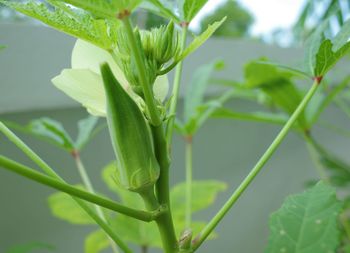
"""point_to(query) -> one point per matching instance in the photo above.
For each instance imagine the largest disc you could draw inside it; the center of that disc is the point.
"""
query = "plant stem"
(49, 171)
(87, 183)
(256, 169)
(72, 190)
(176, 91)
(188, 181)
(164, 221)
(140, 65)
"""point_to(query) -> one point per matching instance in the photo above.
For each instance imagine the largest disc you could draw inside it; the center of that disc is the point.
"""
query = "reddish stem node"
(123, 14)
(318, 79)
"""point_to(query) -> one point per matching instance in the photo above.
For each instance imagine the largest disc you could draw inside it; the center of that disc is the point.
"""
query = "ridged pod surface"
(137, 166)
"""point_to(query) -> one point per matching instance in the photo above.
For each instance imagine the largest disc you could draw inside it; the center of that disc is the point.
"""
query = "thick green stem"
(188, 181)
(164, 221)
(49, 171)
(140, 65)
(87, 183)
(175, 92)
(256, 169)
(74, 191)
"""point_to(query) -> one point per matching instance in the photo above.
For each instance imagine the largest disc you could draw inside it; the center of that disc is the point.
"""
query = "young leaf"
(326, 58)
(30, 247)
(53, 131)
(306, 222)
(65, 208)
(85, 130)
(196, 89)
(190, 8)
(266, 117)
(312, 46)
(199, 40)
(205, 192)
(79, 25)
(96, 241)
(2, 47)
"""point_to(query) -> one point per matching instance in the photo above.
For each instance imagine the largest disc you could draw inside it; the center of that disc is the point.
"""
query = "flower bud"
(131, 137)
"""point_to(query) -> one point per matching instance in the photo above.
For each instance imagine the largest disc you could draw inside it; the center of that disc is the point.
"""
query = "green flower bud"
(131, 137)
(160, 45)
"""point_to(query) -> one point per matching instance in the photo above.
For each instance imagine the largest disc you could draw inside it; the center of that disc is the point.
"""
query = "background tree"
(238, 20)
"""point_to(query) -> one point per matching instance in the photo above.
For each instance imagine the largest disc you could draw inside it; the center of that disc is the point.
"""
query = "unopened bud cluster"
(160, 45)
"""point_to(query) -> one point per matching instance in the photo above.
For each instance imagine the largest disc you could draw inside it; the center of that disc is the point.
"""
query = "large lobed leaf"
(306, 222)
(63, 18)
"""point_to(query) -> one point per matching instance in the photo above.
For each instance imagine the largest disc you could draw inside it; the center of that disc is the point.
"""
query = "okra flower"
(83, 82)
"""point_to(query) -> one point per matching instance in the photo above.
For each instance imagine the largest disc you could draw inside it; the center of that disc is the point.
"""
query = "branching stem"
(49, 171)
(256, 169)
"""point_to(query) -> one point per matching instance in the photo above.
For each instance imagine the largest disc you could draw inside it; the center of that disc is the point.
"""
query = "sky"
(269, 14)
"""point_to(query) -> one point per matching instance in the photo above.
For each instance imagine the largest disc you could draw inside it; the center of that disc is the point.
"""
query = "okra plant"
(119, 73)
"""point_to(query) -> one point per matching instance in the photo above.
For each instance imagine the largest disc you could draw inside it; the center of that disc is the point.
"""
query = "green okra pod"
(131, 137)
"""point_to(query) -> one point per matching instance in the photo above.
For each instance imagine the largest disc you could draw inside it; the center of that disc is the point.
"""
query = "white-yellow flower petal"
(88, 56)
(161, 87)
(84, 86)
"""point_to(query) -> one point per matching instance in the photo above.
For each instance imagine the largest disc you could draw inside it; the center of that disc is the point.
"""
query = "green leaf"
(52, 131)
(196, 89)
(64, 207)
(161, 8)
(199, 40)
(191, 8)
(306, 222)
(137, 232)
(205, 193)
(86, 128)
(312, 46)
(326, 58)
(96, 241)
(250, 116)
(2, 47)
(337, 169)
(342, 36)
(293, 71)
(30, 247)
(107, 9)
(78, 24)
(276, 84)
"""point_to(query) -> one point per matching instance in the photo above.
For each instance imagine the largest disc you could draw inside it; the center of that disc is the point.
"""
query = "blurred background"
(223, 150)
